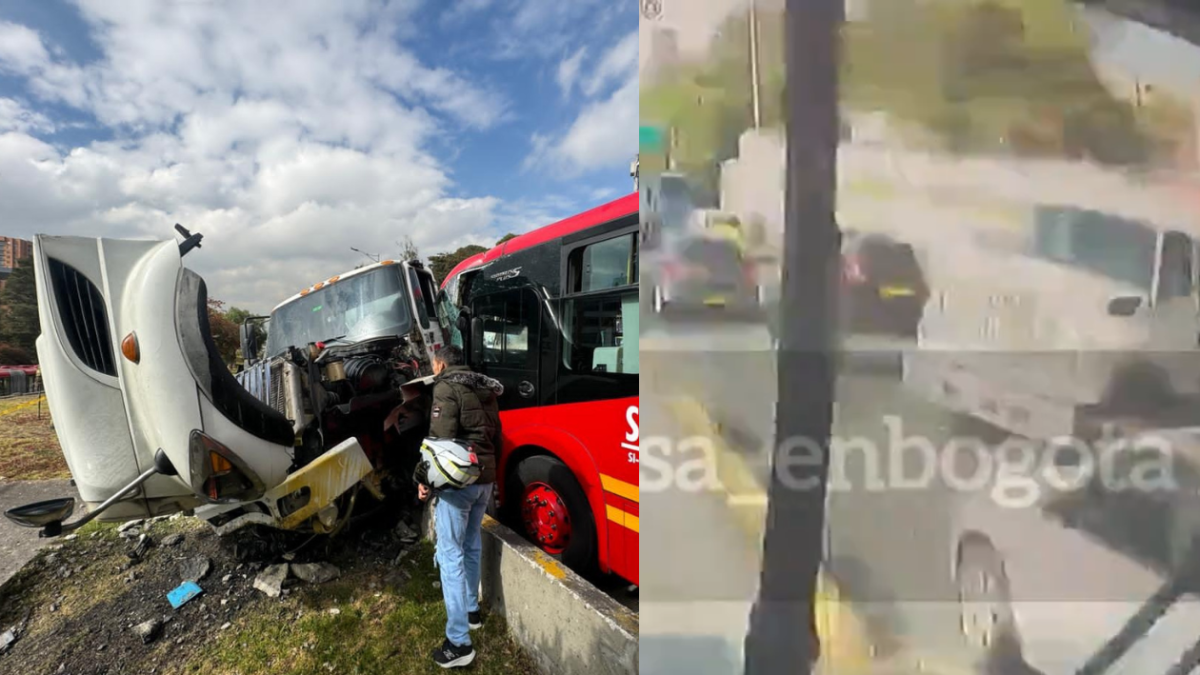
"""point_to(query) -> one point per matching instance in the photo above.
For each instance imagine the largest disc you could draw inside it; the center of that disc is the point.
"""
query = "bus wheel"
(553, 511)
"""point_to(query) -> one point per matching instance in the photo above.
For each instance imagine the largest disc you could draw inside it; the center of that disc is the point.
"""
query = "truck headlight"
(218, 474)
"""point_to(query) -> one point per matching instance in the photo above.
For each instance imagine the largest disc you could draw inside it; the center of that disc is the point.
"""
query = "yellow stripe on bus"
(619, 487)
(622, 518)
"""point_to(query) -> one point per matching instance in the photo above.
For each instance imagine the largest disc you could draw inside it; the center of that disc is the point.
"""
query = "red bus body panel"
(597, 440)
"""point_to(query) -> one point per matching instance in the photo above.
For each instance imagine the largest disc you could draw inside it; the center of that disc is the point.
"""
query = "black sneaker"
(474, 620)
(450, 655)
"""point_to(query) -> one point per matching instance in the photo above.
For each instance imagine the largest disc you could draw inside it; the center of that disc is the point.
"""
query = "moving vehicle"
(152, 421)
(553, 315)
(707, 271)
(883, 287)
(1095, 315)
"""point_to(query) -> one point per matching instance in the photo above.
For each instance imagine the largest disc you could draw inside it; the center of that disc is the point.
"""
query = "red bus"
(550, 314)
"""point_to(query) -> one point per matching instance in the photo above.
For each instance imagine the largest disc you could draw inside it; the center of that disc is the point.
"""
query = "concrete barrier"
(566, 624)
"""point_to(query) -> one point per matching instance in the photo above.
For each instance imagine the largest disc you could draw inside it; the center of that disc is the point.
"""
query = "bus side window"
(507, 318)
(596, 324)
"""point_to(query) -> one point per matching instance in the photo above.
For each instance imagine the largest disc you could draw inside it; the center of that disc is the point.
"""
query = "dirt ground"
(74, 607)
(29, 448)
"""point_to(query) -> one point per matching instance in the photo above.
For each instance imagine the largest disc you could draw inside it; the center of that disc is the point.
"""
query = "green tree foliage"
(506, 237)
(978, 76)
(237, 316)
(441, 264)
(15, 356)
(19, 325)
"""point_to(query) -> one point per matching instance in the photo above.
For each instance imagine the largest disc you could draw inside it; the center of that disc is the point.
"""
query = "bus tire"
(540, 486)
(983, 589)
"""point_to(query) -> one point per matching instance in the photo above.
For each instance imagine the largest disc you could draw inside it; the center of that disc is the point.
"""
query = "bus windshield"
(370, 305)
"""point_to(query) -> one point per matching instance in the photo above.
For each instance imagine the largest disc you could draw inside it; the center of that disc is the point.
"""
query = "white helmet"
(446, 462)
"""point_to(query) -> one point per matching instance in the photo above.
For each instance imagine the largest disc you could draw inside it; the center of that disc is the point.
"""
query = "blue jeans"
(458, 518)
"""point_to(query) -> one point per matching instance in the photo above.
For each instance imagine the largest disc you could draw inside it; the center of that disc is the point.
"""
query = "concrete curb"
(845, 644)
(566, 624)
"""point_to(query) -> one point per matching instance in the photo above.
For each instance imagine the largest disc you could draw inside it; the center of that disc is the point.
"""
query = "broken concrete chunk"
(172, 539)
(316, 573)
(225, 579)
(139, 549)
(71, 537)
(270, 581)
(125, 527)
(148, 631)
(225, 625)
(404, 532)
(335, 611)
(289, 556)
(195, 569)
(7, 638)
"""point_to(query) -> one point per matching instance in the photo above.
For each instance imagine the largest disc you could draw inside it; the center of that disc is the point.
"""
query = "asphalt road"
(699, 570)
(888, 546)
(18, 544)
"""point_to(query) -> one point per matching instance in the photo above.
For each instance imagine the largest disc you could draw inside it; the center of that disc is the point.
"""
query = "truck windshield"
(370, 305)
(1101, 243)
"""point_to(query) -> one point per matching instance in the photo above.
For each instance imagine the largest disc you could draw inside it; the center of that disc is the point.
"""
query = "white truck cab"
(152, 421)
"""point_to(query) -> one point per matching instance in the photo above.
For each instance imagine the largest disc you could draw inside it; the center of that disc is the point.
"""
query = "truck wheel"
(1139, 389)
(548, 505)
(985, 606)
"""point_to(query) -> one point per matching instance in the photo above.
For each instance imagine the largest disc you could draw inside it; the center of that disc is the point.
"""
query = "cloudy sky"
(287, 131)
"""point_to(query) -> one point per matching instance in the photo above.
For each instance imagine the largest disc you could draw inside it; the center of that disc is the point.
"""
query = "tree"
(506, 237)
(19, 324)
(238, 316)
(15, 356)
(408, 250)
(224, 331)
(441, 264)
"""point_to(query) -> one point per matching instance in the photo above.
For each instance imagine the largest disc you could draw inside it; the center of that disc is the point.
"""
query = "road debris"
(173, 539)
(316, 573)
(405, 533)
(335, 611)
(195, 569)
(184, 593)
(149, 631)
(270, 581)
(7, 639)
(125, 527)
(144, 543)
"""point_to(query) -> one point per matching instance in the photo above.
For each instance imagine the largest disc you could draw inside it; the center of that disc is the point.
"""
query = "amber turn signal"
(129, 348)
(220, 465)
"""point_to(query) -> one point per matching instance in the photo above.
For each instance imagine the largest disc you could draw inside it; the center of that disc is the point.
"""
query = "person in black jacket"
(465, 408)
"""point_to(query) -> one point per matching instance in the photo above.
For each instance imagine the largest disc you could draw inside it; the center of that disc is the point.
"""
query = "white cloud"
(615, 65)
(568, 70)
(462, 9)
(16, 117)
(605, 131)
(285, 132)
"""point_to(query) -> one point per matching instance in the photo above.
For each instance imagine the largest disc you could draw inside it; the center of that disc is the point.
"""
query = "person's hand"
(423, 492)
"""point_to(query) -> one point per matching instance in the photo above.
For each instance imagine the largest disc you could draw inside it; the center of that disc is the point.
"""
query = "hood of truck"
(113, 413)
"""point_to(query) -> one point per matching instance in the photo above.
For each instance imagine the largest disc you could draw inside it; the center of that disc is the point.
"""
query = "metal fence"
(20, 381)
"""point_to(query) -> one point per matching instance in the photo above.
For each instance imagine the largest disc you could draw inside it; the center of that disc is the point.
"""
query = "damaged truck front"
(153, 422)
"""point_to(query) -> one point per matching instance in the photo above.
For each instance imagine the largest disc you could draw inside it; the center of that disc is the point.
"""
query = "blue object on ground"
(185, 592)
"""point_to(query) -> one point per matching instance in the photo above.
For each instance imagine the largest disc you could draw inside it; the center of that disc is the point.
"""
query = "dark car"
(883, 286)
(706, 275)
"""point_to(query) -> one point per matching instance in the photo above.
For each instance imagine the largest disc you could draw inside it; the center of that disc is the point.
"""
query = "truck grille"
(275, 392)
(84, 317)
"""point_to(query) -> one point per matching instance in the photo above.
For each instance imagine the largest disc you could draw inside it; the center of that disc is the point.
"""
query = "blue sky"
(288, 131)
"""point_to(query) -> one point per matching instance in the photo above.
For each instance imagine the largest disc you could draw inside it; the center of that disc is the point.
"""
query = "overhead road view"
(1006, 481)
(291, 380)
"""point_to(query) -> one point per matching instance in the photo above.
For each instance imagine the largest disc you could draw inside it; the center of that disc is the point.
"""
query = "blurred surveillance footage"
(1013, 480)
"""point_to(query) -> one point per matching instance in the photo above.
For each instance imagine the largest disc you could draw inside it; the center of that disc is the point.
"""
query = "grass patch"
(29, 448)
(357, 624)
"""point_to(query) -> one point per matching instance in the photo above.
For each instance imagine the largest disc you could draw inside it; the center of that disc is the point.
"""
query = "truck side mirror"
(249, 341)
(1124, 305)
(476, 341)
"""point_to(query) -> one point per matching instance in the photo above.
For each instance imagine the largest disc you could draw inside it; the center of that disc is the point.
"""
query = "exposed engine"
(333, 392)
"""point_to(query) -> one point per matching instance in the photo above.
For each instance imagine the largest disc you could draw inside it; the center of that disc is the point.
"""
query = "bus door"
(510, 351)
